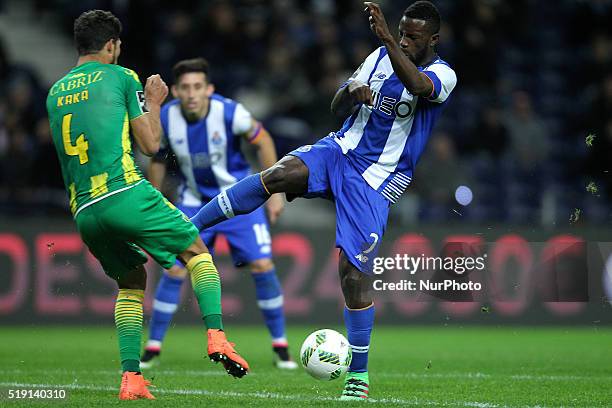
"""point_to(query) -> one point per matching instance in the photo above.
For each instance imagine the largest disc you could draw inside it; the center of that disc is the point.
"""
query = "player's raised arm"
(416, 82)
(259, 137)
(147, 128)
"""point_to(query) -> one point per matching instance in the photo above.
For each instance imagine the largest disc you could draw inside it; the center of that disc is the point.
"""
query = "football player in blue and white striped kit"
(396, 96)
(204, 131)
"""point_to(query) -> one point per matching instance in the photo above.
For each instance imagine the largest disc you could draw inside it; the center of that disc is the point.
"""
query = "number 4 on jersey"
(81, 146)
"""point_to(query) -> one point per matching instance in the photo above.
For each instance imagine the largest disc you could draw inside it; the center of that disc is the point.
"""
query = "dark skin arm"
(414, 81)
(355, 92)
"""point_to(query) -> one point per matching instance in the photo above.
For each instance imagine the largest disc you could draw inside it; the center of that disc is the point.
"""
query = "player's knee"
(351, 279)
(196, 248)
(356, 287)
(274, 178)
(261, 265)
(177, 272)
(288, 175)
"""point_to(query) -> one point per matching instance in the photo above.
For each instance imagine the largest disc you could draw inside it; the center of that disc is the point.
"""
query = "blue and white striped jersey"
(208, 151)
(384, 141)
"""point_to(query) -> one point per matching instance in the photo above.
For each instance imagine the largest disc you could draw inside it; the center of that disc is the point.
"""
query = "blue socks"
(270, 301)
(164, 306)
(359, 325)
(242, 198)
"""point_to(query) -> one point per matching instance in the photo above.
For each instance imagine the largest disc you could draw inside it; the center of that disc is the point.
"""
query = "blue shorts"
(247, 235)
(361, 212)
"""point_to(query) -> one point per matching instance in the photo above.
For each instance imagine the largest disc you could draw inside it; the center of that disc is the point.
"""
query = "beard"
(419, 56)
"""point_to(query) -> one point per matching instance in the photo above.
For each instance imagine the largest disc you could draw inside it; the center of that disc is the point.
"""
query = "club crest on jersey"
(391, 106)
(216, 138)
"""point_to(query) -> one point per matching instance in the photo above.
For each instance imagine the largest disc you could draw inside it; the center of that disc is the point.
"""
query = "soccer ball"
(326, 354)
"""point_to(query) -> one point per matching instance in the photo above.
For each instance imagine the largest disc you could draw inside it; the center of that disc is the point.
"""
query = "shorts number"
(81, 145)
(262, 236)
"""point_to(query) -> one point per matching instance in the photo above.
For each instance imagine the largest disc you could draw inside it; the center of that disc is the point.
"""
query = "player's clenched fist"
(360, 92)
(155, 90)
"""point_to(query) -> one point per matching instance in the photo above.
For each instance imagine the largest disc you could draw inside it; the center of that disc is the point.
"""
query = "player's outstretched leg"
(166, 301)
(128, 320)
(359, 320)
(207, 289)
(288, 175)
(270, 301)
(242, 198)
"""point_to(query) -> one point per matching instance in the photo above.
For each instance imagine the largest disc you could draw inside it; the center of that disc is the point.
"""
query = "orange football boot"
(134, 386)
(219, 349)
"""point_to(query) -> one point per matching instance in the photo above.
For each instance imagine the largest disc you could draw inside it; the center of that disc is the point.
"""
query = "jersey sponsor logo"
(362, 257)
(391, 106)
(203, 160)
(75, 81)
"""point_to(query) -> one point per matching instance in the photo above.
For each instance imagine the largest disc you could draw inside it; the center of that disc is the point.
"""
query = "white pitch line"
(221, 373)
(261, 395)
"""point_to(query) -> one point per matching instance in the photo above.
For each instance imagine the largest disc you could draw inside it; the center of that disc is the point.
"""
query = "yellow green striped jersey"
(89, 112)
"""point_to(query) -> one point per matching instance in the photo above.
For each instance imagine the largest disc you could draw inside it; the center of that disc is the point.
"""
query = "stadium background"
(535, 79)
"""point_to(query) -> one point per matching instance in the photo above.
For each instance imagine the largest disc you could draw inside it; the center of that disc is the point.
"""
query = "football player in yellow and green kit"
(118, 213)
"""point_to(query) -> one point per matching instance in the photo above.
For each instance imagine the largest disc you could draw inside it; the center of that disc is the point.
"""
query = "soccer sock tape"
(270, 302)
(128, 320)
(207, 288)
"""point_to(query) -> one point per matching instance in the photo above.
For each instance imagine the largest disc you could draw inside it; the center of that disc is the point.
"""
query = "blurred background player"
(399, 92)
(205, 132)
(91, 111)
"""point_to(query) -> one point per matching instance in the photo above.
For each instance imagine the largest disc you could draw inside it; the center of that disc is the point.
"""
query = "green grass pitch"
(409, 366)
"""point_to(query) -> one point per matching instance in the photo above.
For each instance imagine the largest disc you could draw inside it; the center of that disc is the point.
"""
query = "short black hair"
(93, 29)
(427, 11)
(190, 65)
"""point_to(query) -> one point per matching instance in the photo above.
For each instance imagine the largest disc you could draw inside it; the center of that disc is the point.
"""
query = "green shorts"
(118, 228)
